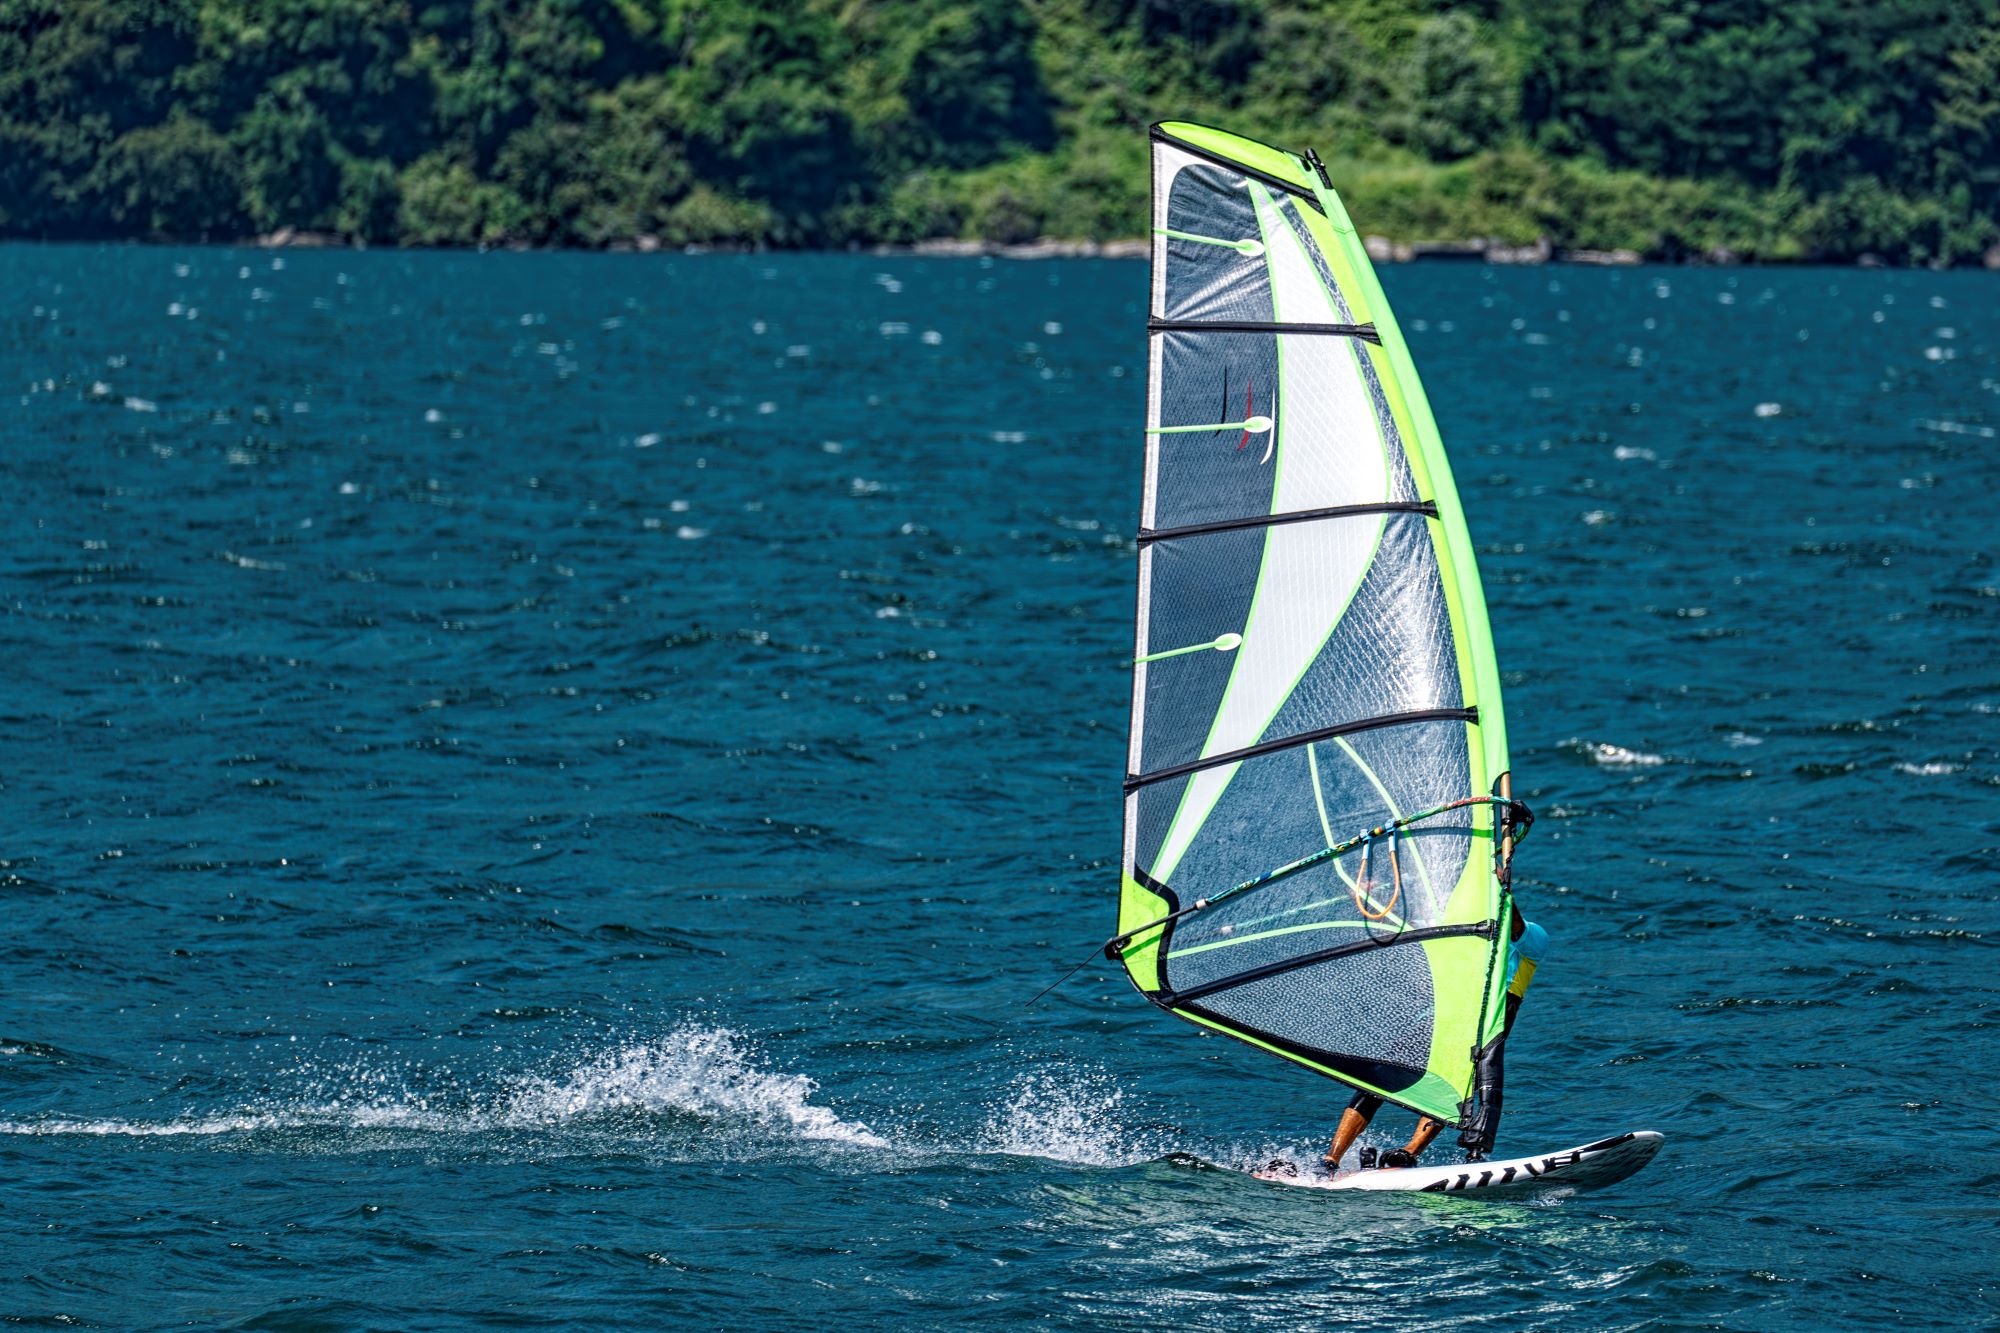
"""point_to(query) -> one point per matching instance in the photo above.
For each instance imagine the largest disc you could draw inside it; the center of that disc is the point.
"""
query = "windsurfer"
(1528, 942)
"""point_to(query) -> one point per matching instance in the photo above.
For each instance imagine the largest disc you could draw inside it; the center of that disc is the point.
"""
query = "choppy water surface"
(536, 788)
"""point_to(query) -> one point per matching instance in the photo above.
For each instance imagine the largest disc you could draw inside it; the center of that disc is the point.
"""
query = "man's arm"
(1529, 942)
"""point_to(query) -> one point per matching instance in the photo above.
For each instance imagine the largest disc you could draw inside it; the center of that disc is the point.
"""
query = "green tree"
(1968, 127)
(761, 118)
(950, 84)
(1456, 90)
(444, 202)
(75, 75)
(179, 178)
(1811, 127)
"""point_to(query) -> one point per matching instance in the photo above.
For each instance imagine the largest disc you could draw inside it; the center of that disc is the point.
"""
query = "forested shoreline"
(1815, 130)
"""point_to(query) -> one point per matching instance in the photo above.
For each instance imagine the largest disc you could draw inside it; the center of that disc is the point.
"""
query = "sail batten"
(1276, 744)
(1366, 332)
(1283, 966)
(1298, 508)
(1424, 507)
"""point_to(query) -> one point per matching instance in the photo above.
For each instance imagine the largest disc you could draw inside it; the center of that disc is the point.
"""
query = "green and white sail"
(1313, 659)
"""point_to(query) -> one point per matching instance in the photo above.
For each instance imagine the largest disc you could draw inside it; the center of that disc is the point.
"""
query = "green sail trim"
(1467, 972)
(1476, 897)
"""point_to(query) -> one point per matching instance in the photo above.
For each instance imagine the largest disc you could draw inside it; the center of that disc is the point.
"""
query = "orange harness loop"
(1360, 888)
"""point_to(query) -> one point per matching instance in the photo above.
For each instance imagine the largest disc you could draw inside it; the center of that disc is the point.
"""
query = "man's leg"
(1352, 1121)
(1427, 1129)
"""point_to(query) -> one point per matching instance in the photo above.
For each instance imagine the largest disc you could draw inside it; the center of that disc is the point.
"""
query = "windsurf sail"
(1315, 814)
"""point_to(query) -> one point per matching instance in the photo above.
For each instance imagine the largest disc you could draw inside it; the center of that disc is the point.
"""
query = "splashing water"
(702, 1071)
(191, 1126)
(709, 1073)
(1068, 1116)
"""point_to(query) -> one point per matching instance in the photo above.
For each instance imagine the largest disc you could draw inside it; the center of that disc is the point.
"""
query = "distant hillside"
(1825, 129)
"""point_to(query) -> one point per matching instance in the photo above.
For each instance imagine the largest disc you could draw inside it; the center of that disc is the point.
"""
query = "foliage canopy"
(1810, 128)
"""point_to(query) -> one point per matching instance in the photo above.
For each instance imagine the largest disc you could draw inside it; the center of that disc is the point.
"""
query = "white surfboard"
(1589, 1166)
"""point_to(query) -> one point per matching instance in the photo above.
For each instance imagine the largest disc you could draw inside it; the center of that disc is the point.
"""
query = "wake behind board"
(1591, 1166)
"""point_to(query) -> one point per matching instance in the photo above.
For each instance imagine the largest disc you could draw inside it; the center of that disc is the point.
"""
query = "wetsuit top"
(1523, 956)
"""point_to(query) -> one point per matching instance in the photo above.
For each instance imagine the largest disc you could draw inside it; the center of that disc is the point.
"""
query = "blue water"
(536, 788)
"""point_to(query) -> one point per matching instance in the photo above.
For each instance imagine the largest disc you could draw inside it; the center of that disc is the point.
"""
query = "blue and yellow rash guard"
(1523, 956)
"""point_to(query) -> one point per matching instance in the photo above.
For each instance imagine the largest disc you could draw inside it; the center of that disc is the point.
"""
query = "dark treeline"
(1778, 129)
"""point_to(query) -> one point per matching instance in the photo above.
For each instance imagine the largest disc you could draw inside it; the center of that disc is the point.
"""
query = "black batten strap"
(1138, 780)
(1365, 332)
(1428, 508)
(1172, 999)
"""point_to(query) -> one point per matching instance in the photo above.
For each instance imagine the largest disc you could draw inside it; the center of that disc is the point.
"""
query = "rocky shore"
(1380, 249)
